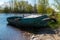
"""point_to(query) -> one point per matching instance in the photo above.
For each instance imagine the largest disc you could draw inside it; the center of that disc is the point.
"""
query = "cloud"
(1, 3)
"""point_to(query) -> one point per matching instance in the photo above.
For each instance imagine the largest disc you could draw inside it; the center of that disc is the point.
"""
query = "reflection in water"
(7, 32)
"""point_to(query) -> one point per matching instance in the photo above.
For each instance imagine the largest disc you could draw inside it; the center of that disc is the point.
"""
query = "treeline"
(20, 7)
(24, 7)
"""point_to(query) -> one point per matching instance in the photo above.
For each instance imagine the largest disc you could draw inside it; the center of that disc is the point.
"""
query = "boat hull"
(28, 22)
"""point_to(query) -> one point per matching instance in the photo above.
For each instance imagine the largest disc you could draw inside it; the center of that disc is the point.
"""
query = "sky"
(2, 1)
(30, 1)
(51, 1)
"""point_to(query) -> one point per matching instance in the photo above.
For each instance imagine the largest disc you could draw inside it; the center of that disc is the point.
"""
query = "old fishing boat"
(29, 21)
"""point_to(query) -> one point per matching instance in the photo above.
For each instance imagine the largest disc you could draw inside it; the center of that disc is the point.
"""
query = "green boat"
(29, 21)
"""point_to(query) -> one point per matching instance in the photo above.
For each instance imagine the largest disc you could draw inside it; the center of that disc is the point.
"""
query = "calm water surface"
(7, 32)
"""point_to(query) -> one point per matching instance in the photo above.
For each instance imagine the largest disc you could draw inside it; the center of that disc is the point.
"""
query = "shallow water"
(8, 32)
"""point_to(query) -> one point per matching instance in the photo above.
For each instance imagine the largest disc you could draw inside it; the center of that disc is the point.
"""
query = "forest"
(42, 6)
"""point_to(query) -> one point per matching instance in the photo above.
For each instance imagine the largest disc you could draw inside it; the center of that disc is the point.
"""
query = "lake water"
(8, 32)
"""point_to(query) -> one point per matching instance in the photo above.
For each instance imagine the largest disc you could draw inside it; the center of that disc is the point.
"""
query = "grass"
(55, 25)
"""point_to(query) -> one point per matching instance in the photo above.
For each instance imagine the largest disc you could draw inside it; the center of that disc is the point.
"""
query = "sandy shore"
(43, 34)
